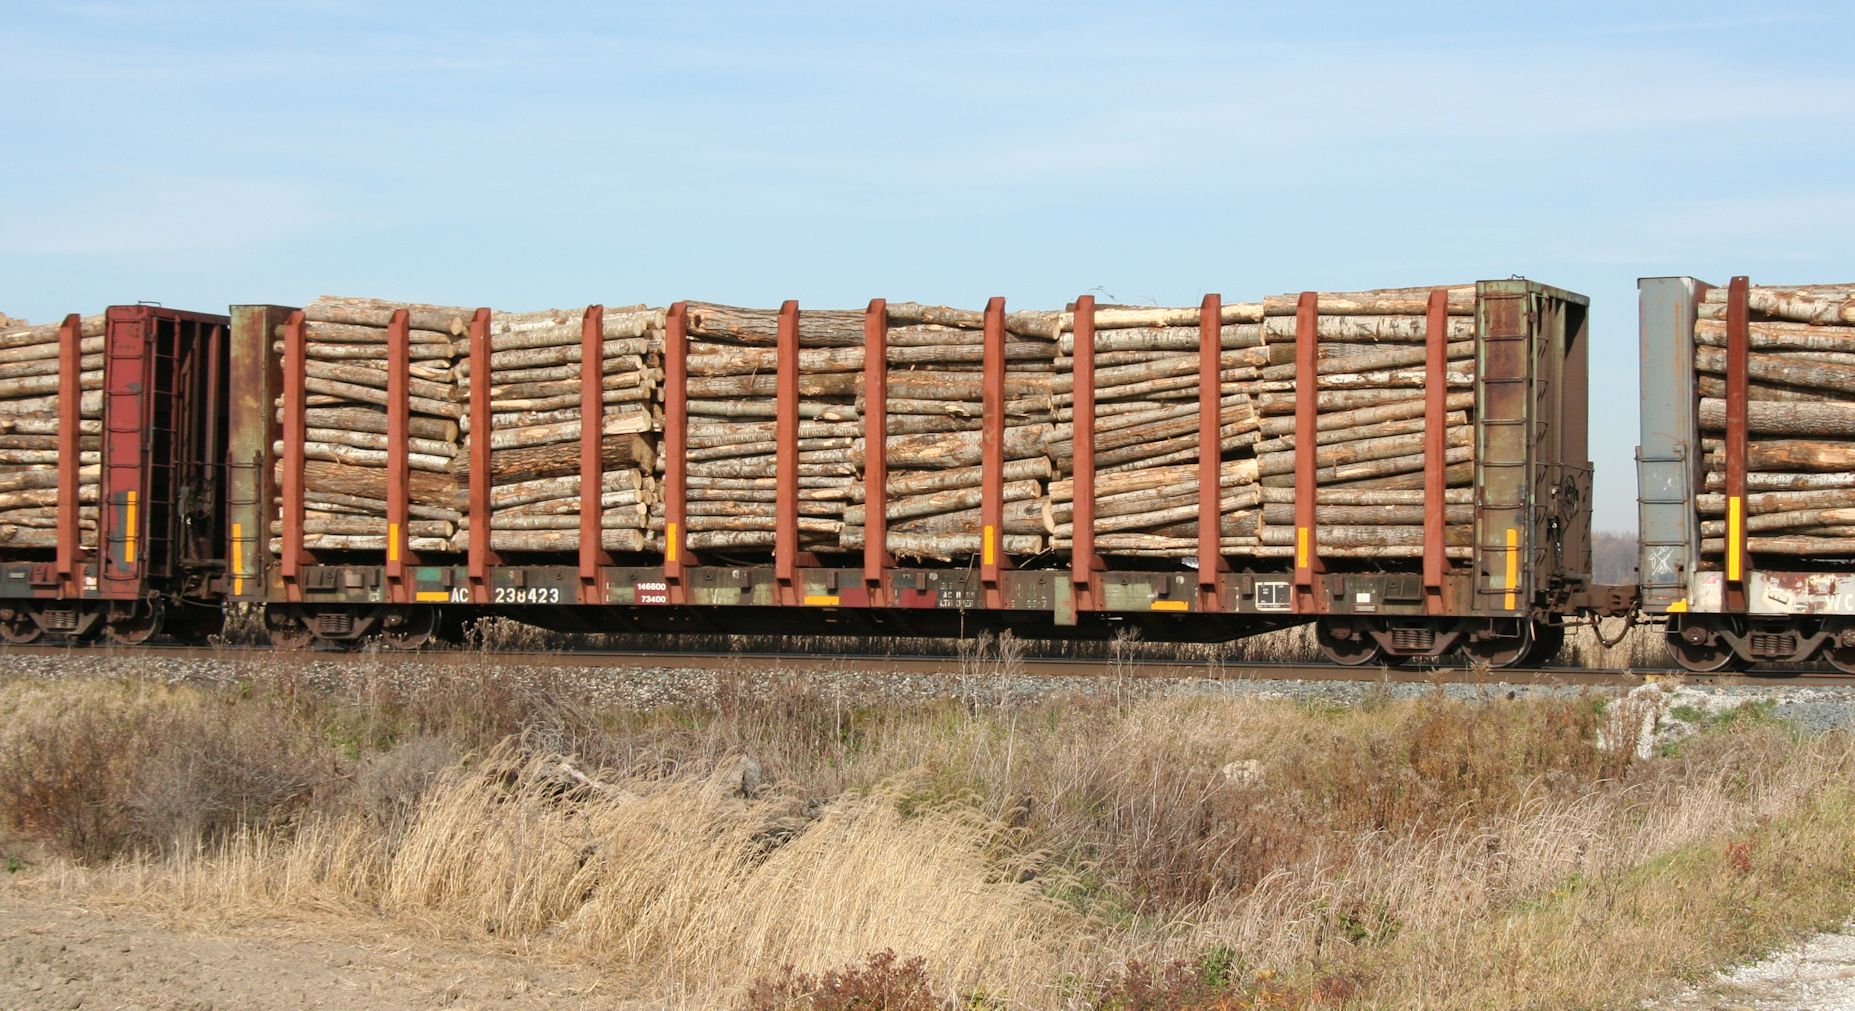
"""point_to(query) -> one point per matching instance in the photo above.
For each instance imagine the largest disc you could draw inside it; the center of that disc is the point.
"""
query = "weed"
(882, 983)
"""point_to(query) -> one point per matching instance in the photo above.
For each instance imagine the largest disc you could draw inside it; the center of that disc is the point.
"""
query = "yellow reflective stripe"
(238, 559)
(392, 542)
(669, 543)
(128, 547)
(431, 596)
(1301, 547)
(1513, 566)
(1678, 607)
(821, 600)
(987, 552)
(1171, 605)
(1735, 513)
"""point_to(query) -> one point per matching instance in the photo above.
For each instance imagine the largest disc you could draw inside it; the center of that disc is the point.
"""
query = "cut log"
(374, 312)
(1780, 369)
(1781, 304)
(561, 459)
(1767, 418)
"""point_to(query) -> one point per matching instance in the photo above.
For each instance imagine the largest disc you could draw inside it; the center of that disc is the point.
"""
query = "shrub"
(145, 769)
(883, 983)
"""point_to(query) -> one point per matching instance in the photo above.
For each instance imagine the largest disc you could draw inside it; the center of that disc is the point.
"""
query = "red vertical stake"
(398, 468)
(675, 450)
(70, 399)
(992, 457)
(295, 431)
(1738, 342)
(1307, 443)
(1210, 451)
(876, 559)
(786, 436)
(481, 377)
(592, 459)
(1083, 562)
(1435, 448)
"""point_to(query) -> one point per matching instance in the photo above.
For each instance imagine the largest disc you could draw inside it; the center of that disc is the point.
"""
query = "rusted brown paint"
(70, 394)
(1738, 341)
(992, 456)
(786, 436)
(1307, 438)
(1083, 562)
(675, 451)
(592, 460)
(1210, 449)
(480, 558)
(398, 454)
(1435, 433)
(295, 431)
(876, 560)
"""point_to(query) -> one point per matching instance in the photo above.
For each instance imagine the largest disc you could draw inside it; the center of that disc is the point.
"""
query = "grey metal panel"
(1668, 458)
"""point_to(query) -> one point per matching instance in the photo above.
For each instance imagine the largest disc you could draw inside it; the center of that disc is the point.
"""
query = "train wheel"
(1503, 652)
(409, 627)
(287, 629)
(196, 623)
(1548, 640)
(1702, 657)
(135, 624)
(1357, 648)
(1841, 658)
(19, 629)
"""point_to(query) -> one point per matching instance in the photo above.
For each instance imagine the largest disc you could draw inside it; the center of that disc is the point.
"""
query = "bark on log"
(955, 449)
(561, 459)
(1779, 303)
(1781, 369)
(631, 422)
(817, 328)
(1327, 437)
(370, 482)
(942, 547)
(1382, 448)
(1715, 480)
(1767, 418)
(364, 419)
(374, 312)
(1769, 545)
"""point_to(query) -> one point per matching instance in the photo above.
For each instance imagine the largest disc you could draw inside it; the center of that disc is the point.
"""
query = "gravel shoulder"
(1818, 975)
(1812, 709)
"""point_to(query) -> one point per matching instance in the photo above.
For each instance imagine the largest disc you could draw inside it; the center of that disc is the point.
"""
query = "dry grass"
(1065, 854)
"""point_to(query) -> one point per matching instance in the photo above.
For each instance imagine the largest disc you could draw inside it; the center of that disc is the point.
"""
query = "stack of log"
(534, 426)
(1146, 430)
(1800, 479)
(933, 437)
(1370, 392)
(536, 377)
(732, 460)
(29, 431)
(1370, 397)
(345, 445)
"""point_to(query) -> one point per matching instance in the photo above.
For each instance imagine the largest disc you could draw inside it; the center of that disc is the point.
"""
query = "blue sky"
(540, 154)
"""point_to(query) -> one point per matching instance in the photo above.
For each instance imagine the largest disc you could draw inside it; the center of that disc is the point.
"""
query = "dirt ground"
(59, 953)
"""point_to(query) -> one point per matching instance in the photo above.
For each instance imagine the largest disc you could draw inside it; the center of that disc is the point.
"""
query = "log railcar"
(1745, 597)
(1527, 569)
(158, 561)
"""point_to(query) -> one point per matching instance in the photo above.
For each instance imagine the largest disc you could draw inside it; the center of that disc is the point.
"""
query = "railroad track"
(919, 664)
